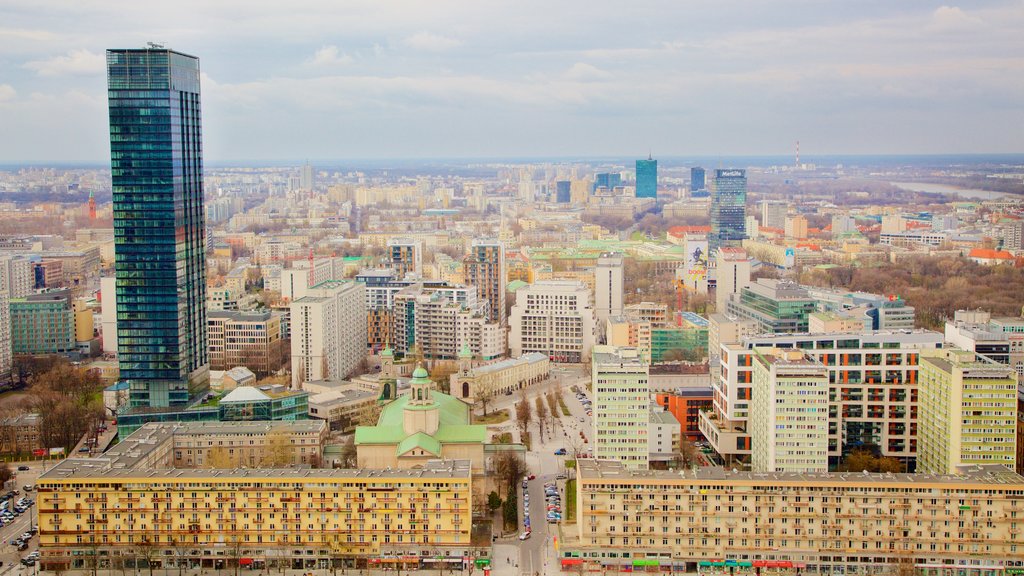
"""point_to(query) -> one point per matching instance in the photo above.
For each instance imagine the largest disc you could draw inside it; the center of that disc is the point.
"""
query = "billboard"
(695, 270)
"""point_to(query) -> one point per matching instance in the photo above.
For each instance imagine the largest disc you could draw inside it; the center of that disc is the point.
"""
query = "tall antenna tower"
(797, 166)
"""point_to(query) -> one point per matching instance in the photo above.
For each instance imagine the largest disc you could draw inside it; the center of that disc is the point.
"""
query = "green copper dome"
(420, 373)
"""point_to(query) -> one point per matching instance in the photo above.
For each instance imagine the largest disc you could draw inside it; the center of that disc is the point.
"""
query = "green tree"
(493, 501)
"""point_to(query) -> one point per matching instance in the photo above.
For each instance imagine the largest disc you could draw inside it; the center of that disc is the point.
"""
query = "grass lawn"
(565, 409)
(570, 501)
(492, 418)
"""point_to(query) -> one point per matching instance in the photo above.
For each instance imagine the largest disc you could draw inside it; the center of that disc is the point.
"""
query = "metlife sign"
(730, 173)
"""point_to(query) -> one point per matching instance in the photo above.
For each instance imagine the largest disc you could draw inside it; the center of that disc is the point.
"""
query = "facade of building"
(773, 214)
(159, 229)
(621, 387)
(686, 404)
(563, 191)
(42, 324)
(276, 403)
(732, 274)
(405, 256)
(17, 279)
(439, 321)
(713, 519)
(608, 280)
(968, 412)
(664, 437)
(250, 339)
(475, 383)
(279, 517)
(484, 268)
(328, 331)
(778, 306)
(554, 318)
(788, 412)
(19, 435)
(728, 209)
(343, 408)
(697, 182)
(647, 178)
(108, 313)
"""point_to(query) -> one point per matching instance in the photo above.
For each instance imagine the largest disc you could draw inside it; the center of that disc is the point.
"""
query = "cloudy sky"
(350, 79)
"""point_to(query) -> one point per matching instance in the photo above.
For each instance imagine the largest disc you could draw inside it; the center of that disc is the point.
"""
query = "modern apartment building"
(259, 518)
(788, 412)
(328, 331)
(250, 339)
(439, 321)
(968, 411)
(554, 318)
(405, 255)
(159, 226)
(712, 519)
(484, 268)
(622, 397)
(608, 280)
(873, 389)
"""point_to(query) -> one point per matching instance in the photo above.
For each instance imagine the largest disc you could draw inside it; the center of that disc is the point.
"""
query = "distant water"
(949, 190)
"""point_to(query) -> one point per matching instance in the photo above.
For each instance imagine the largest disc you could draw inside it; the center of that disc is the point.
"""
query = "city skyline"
(362, 81)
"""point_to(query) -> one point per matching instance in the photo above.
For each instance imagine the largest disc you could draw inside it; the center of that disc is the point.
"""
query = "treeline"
(935, 287)
(68, 399)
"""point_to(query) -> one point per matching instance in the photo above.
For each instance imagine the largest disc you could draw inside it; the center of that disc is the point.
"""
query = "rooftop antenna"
(154, 46)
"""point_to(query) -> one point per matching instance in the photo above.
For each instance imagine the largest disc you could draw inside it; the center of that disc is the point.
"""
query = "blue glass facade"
(728, 209)
(563, 191)
(647, 178)
(697, 181)
(159, 231)
(609, 180)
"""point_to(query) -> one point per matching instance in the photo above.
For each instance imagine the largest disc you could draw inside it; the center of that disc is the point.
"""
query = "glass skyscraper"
(156, 163)
(728, 209)
(697, 179)
(563, 191)
(647, 178)
(609, 180)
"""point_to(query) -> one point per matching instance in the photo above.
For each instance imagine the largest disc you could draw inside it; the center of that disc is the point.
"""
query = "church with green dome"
(420, 425)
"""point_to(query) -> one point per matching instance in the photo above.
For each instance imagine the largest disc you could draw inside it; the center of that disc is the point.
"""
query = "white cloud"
(75, 62)
(949, 18)
(583, 72)
(330, 56)
(7, 92)
(429, 42)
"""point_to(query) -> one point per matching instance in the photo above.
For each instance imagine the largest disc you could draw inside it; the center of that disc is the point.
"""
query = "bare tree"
(278, 451)
(553, 407)
(510, 468)
(219, 458)
(348, 452)
(523, 415)
(483, 395)
(542, 416)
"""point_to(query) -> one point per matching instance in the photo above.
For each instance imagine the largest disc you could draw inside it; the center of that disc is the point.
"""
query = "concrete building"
(250, 339)
(405, 256)
(664, 437)
(554, 318)
(19, 435)
(484, 268)
(17, 279)
(788, 412)
(328, 331)
(796, 227)
(42, 324)
(608, 279)
(439, 321)
(968, 412)
(621, 388)
(288, 522)
(972, 330)
(773, 214)
(244, 444)
(715, 520)
(732, 274)
(778, 306)
(342, 408)
(473, 384)
(686, 404)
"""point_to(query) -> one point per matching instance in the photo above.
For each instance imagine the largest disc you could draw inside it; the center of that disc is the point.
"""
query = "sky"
(352, 79)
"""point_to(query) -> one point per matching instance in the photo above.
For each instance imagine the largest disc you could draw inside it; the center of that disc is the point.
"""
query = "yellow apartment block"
(852, 523)
(131, 508)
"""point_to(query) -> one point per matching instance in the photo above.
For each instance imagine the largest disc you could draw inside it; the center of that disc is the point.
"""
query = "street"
(9, 555)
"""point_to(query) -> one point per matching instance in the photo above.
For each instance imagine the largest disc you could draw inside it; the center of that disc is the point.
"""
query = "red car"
(531, 477)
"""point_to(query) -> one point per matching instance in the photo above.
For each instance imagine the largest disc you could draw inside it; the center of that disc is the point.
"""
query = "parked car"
(525, 535)
(560, 452)
(23, 468)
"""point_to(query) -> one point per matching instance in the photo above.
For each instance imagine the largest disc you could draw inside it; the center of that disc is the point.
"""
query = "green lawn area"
(570, 501)
(565, 409)
(492, 418)
(570, 464)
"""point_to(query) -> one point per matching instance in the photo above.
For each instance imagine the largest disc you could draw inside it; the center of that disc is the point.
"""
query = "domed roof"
(420, 373)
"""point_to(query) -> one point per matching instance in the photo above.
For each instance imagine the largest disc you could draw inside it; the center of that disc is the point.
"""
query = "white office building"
(554, 318)
(328, 331)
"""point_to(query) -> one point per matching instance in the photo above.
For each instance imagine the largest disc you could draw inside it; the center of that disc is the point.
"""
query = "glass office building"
(157, 170)
(647, 178)
(728, 209)
(697, 179)
(609, 180)
(563, 191)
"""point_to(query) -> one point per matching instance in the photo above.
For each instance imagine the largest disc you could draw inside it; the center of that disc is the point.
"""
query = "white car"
(524, 535)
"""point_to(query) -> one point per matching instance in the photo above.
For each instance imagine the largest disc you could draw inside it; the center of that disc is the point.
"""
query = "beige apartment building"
(133, 505)
(249, 339)
(554, 318)
(967, 523)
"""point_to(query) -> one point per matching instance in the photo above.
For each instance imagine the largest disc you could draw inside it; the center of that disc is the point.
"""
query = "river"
(930, 188)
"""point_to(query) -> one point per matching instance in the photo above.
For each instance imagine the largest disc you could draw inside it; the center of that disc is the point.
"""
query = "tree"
(278, 451)
(523, 415)
(510, 468)
(219, 458)
(861, 459)
(5, 473)
(370, 415)
(493, 501)
(542, 416)
(483, 395)
(688, 453)
(348, 452)
(553, 407)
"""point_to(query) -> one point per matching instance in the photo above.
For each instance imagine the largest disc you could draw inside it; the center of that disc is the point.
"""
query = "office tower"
(728, 208)
(328, 331)
(773, 214)
(159, 231)
(306, 177)
(485, 268)
(733, 275)
(563, 191)
(608, 287)
(788, 412)
(697, 179)
(405, 255)
(249, 339)
(968, 412)
(619, 378)
(842, 224)
(608, 180)
(554, 318)
(647, 178)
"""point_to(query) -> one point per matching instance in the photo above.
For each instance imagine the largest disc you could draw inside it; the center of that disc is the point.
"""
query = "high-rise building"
(697, 179)
(554, 318)
(405, 255)
(732, 275)
(485, 269)
(788, 412)
(608, 278)
(306, 177)
(440, 321)
(796, 227)
(647, 178)
(42, 324)
(563, 191)
(621, 405)
(968, 412)
(328, 331)
(728, 208)
(159, 231)
(17, 279)
(773, 214)
(778, 306)
(607, 180)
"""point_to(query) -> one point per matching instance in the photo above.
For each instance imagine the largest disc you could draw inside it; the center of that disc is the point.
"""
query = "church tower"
(388, 378)
(422, 414)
